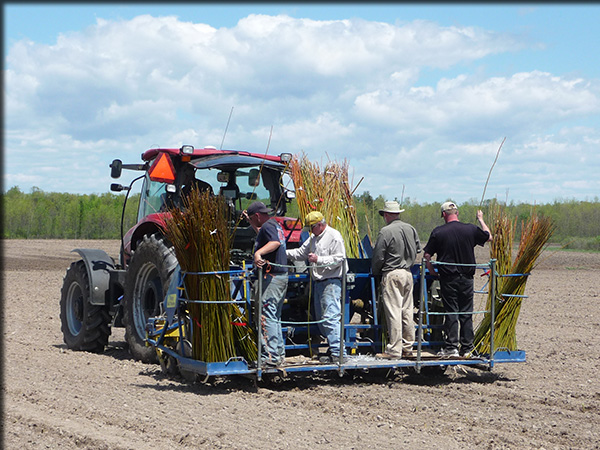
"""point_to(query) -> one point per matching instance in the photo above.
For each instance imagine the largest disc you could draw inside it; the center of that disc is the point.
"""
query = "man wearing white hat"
(326, 253)
(394, 254)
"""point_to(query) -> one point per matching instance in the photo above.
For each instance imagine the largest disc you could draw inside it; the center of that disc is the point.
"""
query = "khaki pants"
(397, 295)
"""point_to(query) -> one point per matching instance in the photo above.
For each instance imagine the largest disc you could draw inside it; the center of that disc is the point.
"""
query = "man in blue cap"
(269, 252)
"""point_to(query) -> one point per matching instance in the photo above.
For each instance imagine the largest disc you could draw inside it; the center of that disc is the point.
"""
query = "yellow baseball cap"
(312, 218)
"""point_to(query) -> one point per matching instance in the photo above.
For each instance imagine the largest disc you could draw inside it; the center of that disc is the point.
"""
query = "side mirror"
(254, 177)
(251, 195)
(223, 177)
(115, 168)
(116, 187)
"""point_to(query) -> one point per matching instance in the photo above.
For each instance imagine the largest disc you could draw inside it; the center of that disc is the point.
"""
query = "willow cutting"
(327, 190)
(512, 276)
(201, 239)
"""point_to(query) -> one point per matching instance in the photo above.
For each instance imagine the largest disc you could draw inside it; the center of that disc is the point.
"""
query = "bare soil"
(57, 398)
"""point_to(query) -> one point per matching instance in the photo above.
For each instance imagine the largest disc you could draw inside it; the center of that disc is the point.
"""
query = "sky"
(419, 99)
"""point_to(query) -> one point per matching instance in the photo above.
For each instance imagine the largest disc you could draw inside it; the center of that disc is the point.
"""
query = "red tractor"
(99, 293)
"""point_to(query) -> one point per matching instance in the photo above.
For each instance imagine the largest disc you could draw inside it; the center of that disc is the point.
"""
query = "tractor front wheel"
(148, 277)
(85, 327)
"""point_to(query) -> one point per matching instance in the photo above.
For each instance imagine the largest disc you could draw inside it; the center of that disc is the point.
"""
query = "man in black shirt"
(269, 253)
(454, 243)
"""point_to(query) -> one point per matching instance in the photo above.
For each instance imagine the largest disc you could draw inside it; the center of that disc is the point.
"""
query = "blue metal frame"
(159, 327)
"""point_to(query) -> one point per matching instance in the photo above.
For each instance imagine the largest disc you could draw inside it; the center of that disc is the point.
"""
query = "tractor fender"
(98, 265)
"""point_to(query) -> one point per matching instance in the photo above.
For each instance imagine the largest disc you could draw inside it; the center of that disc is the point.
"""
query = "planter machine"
(362, 339)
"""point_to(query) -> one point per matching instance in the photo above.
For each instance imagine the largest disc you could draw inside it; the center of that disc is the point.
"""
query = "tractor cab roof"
(233, 161)
(212, 153)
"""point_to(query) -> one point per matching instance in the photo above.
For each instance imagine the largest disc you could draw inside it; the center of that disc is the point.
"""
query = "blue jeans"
(274, 288)
(327, 301)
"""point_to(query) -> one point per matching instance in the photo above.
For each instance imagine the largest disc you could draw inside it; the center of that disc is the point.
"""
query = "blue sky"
(414, 96)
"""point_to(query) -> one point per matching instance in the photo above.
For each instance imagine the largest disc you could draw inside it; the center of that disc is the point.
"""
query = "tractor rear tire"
(85, 327)
(148, 277)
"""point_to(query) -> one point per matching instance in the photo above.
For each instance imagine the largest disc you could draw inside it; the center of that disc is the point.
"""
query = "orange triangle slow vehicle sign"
(162, 169)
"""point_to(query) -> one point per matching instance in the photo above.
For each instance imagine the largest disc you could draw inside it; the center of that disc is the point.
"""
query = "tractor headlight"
(187, 149)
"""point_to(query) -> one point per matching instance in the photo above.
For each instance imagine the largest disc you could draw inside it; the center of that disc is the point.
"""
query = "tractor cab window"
(243, 179)
(240, 186)
(152, 198)
(187, 180)
(244, 185)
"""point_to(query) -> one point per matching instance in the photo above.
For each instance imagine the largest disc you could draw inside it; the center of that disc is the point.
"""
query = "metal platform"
(238, 366)
(361, 340)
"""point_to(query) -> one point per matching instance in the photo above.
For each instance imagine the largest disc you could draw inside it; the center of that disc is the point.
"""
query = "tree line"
(577, 222)
(51, 215)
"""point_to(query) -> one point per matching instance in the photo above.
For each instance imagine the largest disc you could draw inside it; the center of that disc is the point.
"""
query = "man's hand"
(266, 249)
(312, 258)
(258, 260)
(429, 265)
(484, 227)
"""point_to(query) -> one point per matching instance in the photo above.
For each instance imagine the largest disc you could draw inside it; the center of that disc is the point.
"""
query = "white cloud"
(344, 88)
(459, 107)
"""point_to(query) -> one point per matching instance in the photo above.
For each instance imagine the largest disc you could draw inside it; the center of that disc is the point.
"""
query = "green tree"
(38, 214)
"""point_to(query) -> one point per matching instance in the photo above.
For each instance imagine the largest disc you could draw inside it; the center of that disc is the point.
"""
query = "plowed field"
(57, 398)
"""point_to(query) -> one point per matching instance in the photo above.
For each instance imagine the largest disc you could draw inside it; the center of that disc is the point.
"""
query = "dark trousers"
(457, 296)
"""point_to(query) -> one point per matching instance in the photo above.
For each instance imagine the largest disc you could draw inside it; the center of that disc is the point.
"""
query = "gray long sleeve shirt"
(396, 247)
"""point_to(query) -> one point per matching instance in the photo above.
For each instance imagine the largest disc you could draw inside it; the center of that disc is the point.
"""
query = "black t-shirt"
(454, 243)
(272, 231)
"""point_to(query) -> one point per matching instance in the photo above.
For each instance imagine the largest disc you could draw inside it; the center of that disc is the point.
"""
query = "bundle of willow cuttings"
(512, 277)
(201, 238)
(327, 190)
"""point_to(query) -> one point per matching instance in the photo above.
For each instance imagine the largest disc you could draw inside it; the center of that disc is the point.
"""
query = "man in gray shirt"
(394, 254)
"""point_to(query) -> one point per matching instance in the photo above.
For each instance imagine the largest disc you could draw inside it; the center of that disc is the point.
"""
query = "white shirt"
(330, 251)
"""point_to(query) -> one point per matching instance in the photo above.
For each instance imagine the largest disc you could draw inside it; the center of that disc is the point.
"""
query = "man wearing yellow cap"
(326, 254)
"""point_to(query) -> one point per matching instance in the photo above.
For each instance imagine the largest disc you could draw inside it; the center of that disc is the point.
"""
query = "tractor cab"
(240, 177)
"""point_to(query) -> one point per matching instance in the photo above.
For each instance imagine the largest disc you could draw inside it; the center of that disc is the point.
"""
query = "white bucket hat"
(392, 207)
